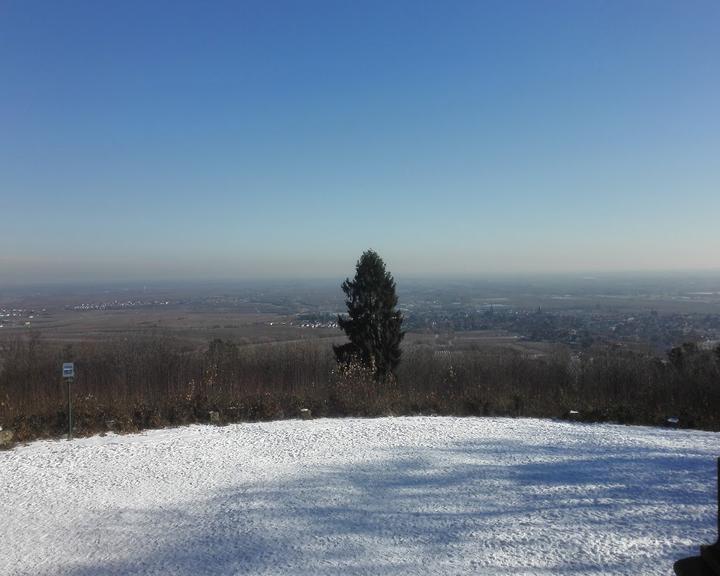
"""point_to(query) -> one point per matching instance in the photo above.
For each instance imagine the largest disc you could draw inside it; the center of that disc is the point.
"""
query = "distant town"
(651, 315)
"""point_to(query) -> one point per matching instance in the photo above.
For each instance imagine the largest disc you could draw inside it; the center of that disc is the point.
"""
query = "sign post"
(68, 372)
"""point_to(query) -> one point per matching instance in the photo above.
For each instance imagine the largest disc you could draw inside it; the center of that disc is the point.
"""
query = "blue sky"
(171, 139)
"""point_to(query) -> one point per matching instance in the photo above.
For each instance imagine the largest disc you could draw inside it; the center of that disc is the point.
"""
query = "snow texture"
(419, 495)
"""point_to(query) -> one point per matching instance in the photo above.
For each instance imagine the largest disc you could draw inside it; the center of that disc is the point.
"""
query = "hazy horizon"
(167, 141)
(438, 280)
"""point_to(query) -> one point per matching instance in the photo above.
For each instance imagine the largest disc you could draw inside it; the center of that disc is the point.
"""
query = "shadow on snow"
(428, 511)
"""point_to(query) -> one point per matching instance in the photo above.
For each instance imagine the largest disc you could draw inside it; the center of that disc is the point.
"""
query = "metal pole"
(69, 381)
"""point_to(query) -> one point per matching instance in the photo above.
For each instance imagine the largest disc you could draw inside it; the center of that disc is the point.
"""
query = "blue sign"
(68, 370)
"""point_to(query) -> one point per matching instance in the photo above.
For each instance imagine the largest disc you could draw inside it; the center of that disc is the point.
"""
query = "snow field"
(420, 495)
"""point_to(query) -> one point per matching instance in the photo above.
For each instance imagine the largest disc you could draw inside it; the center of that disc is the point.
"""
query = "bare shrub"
(151, 382)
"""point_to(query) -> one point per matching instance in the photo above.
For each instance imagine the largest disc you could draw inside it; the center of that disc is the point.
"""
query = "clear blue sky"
(171, 139)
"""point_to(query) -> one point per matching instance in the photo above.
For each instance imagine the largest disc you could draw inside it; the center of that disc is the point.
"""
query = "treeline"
(140, 383)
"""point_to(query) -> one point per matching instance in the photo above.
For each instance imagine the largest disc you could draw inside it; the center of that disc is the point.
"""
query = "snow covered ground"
(385, 496)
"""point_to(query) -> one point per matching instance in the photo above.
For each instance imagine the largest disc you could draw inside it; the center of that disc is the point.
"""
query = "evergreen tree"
(372, 324)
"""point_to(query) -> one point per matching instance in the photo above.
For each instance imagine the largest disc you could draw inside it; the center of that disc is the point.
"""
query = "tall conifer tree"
(372, 323)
